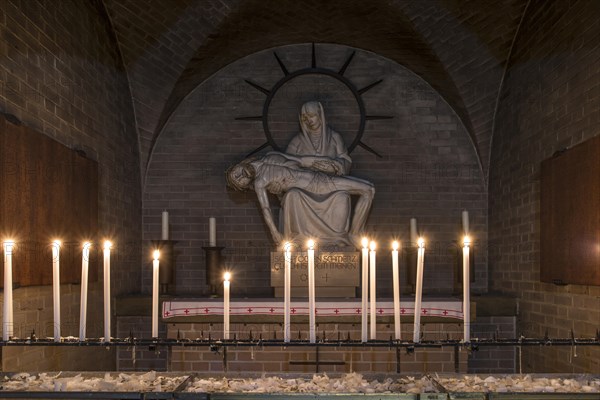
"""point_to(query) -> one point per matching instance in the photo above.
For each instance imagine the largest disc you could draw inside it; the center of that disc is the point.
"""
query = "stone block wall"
(550, 101)
(493, 359)
(428, 168)
(61, 74)
(140, 358)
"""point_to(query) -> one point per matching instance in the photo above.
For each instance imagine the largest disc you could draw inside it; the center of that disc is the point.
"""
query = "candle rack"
(473, 345)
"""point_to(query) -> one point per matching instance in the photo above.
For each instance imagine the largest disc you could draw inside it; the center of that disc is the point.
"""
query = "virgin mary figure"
(325, 217)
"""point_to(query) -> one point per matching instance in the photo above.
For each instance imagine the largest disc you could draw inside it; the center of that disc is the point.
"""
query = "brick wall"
(60, 74)
(288, 359)
(493, 359)
(550, 101)
(140, 358)
(428, 170)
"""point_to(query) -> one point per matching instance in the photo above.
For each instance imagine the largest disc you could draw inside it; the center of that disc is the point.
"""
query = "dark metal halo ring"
(314, 71)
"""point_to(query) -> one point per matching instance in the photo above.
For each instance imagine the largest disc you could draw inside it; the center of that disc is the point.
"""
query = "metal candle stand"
(214, 270)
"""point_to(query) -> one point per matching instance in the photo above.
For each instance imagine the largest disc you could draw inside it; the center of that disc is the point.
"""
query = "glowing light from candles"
(155, 285)
(226, 296)
(419, 290)
(311, 292)
(107, 247)
(287, 287)
(396, 286)
(56, 288)
(7, 312)
(373, 298)
(85, 263)
(365, 289)
(466, 291)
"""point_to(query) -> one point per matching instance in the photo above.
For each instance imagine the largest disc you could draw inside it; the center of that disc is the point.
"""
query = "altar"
(448, 309)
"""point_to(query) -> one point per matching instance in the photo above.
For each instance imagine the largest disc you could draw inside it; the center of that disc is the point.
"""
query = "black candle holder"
(167, 265)
(411, 255)
(213, 269)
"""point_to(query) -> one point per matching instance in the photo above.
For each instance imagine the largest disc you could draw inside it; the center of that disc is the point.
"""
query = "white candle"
(419, 290)
(155, 283)
(287, 287)
(311, 292)
(465, 222)
(413, 231)
(365, 289)
(7, 309)
(226, 295)
(396, 282)
(466, 292)
(373, 302)
(56, 288)
(212, 232)
(107, 246)
(85, 262)
(165, 225)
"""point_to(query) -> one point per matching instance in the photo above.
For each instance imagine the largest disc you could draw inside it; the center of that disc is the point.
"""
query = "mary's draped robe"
(323, 217)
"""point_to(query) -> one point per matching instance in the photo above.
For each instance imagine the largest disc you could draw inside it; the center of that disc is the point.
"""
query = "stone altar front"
(337, 273)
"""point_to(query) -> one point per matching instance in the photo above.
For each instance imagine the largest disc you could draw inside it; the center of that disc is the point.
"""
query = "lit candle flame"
(8, 244)
(287, 246)
(373, 246)
(365, 242)
(107, 245)
(395, 245)
(56, 243)
(156, 254)
(87, 246)
(466, 241)
(227, 276)
(311, 244)
(421, 242)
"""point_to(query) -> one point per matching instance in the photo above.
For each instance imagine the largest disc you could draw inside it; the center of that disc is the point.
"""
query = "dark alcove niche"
(429, 168)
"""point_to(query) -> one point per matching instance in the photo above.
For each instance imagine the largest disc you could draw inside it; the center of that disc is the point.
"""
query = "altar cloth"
(447, 308)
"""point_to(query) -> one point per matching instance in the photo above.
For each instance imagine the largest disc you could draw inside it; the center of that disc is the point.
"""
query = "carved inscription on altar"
(337, 274)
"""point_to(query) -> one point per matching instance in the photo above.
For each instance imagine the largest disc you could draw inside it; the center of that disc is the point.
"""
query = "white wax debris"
(348, 383)
(116, 382)
(518, 383)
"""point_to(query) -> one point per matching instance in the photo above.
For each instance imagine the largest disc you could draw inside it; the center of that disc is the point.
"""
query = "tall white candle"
(465, 222)
(396, 282)
(165, 225)
(226, 294)
(466, 291)
(419, 290)
(212, 232)
(413, 231)
(287, 287)
(56, 288)
(7, 309)
(365, 289)
(373, 300)
(311, 292)
(85, 263)
(155, 284)
(107, 246)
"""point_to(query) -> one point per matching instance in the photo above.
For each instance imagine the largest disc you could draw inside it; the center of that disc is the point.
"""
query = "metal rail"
(218, 343)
